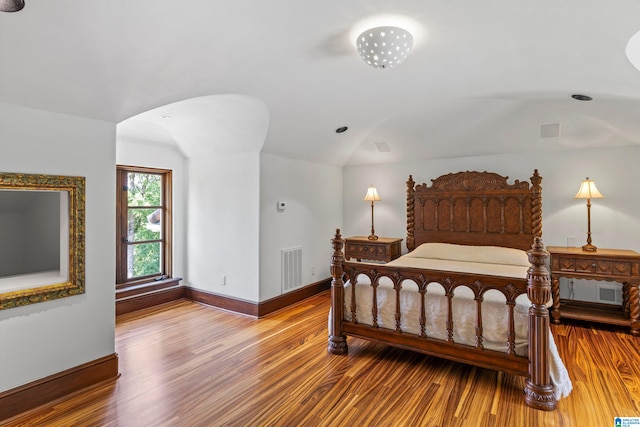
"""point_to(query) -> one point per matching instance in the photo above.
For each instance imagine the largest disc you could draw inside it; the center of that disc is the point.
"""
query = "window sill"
(139, 288)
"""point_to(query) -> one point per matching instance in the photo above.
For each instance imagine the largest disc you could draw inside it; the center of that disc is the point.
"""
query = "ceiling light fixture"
(11, 5)
(384, 47)
(633, 50)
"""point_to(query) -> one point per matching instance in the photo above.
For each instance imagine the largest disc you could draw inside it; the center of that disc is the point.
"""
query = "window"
(143, 220)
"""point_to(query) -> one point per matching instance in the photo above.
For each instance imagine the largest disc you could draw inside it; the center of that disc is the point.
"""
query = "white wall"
(313, 198)
(231, 199)
(154, 155)
(216, 215)
(223, 218)
(46, 338)
(615, 222)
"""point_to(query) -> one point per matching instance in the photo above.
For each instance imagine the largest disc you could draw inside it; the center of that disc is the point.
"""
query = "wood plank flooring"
(187, 364)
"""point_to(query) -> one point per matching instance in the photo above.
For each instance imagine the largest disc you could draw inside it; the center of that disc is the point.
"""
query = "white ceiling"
(281, 76)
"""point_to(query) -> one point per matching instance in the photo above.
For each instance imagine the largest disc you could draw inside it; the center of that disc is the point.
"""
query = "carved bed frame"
(472, 208)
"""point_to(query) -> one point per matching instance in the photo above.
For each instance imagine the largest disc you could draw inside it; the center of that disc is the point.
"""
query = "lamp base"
(589, 248)
(372, 237)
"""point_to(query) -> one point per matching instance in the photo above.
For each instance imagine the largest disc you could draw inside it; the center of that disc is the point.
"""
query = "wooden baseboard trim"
(221, 301)
(252, 308)
(285, 300)
(150, 299)
(46, 390)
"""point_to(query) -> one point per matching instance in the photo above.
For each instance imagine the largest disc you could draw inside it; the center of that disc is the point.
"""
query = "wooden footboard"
(538, 390)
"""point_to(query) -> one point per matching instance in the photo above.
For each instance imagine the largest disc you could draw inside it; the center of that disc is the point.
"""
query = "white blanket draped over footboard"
(494, 313)
(481, 260)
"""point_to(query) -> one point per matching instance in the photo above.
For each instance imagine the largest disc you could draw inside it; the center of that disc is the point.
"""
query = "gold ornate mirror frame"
(75, 187)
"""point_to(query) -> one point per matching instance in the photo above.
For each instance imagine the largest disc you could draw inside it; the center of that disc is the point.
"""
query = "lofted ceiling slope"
(482, 77)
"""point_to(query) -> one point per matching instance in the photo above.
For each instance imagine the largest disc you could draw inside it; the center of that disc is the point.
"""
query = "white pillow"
(482, 254)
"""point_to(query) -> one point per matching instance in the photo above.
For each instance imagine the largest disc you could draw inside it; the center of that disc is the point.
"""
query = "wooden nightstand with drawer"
(614, 265)
(384, 249)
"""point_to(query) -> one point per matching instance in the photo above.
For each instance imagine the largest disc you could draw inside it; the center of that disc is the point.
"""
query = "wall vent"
(383, 147)
(291, 269)
(550, 130)
(609, 294)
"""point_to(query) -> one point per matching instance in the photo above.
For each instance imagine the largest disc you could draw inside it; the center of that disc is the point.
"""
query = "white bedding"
(467, 259)
(494, 313)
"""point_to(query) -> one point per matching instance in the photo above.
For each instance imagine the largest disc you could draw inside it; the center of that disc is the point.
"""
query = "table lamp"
(588, 191)
(372, 196)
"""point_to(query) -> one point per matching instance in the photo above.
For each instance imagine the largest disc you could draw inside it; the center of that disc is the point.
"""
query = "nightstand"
(384, 249)
(614, 265)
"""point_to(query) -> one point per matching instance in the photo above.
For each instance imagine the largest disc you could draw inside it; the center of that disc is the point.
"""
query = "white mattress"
(501, 270)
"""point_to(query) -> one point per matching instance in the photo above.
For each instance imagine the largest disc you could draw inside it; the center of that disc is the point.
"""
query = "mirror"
(41, 238)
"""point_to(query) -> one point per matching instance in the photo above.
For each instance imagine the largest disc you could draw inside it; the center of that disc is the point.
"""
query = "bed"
(473, 287)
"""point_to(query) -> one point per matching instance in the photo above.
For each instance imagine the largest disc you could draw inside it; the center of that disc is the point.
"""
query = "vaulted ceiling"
(281, 76)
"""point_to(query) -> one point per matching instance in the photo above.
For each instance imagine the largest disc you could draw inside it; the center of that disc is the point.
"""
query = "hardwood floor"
(186, 364)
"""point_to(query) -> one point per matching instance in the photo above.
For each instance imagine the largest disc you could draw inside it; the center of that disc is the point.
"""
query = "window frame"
(122, 207)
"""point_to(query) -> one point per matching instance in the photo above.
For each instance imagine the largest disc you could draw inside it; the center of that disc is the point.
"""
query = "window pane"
(144, 189)
(144, 259)
(144, 224)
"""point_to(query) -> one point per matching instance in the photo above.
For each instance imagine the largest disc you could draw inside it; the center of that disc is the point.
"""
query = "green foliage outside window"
(144, 216)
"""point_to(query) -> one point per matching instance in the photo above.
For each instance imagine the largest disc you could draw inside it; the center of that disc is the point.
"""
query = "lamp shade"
(588, 190)
(372, 195)
(384, 47)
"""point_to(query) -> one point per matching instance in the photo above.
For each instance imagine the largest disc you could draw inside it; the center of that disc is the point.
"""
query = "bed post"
(538, 390)
(411, 241)
(337, 339)
(536, 204)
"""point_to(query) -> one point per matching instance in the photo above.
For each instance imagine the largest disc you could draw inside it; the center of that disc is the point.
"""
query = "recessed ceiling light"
(342, 129)
(165, 116)
(582, 97)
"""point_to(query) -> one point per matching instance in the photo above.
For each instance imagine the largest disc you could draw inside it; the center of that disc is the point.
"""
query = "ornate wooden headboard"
(474, 208)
